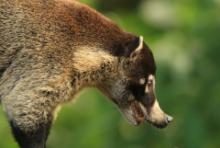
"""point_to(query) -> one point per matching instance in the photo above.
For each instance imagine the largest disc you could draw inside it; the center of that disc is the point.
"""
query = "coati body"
(50, 49)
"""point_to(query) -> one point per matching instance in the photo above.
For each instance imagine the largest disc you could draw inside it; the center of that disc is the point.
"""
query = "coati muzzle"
(146, 108)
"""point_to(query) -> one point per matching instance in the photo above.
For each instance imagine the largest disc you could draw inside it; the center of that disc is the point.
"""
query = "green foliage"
(184, 37)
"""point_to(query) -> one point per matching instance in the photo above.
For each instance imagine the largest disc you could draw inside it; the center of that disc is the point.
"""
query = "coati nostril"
(168, 119)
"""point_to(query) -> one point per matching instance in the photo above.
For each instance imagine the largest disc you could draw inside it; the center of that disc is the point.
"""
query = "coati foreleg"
(30, 104)
(34, 139)
(30, 119)
(31, 125)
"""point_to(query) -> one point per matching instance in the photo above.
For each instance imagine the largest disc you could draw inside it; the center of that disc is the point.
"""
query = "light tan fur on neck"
(93, 58)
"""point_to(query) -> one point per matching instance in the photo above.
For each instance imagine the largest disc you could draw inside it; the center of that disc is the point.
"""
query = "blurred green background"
(185, 38)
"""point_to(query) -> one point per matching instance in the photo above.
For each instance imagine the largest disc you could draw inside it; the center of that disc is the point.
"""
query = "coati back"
(51, 49)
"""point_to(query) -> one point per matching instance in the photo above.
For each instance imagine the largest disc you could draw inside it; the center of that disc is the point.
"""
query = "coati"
(51, 49)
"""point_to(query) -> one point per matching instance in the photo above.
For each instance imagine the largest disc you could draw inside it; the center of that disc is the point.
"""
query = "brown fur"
(44, 38)
(50, 49)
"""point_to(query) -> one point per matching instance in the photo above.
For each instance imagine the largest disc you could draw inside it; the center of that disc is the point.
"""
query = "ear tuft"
(134, 45)
(140, 46)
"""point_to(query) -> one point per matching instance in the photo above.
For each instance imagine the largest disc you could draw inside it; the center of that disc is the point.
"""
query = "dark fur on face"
(142, 64)
(133, 88)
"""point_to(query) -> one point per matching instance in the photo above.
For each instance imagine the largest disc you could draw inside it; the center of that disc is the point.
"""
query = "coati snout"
(133, 87)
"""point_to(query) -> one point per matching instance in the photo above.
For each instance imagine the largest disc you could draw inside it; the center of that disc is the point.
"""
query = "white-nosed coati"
(51, 49)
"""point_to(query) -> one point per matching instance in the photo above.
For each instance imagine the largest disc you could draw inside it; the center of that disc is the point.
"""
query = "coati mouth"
(136, 114)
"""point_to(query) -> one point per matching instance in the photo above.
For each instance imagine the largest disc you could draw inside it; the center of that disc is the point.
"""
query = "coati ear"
(133, 46)
(138, 48)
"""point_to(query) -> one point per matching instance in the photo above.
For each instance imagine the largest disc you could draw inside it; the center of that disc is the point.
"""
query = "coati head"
(132, 87)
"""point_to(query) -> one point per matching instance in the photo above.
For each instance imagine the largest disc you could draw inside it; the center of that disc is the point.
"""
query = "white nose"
(158, 117)
(168, 119)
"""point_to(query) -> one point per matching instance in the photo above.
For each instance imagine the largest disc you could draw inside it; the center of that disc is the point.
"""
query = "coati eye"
(150, 82)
